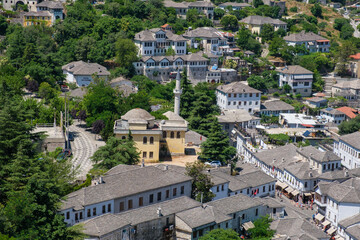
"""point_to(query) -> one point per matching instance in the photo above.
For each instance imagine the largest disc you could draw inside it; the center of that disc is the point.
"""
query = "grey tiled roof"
(38, 14)
(235, 203)
(354, 231)
(353, 139)
(237, 87)
(149, 35)
(354, 84)
(294, 69)
(234, 4)
(331, 111)
(234, 116)
(188, 57)
(338, 175)
(302, 170)
(50, 4)
(104, 224)
(83, 68)
(347, 222)
(259, 20)
(124, 184)
(174, 4)
(202, 215)
(347, 191)
(200, 4)
(202, 32)
(194, 137)
(272, 202)
(317, 155)
(303, 37)
(276, 105)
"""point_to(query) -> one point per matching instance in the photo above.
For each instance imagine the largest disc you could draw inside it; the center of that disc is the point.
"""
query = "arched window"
(145, 140)
(172, 135)
(178, 135)
(123, 137)
(164, 134)
(151, 140)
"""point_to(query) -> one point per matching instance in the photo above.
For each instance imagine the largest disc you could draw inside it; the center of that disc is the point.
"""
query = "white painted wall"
(350, 156)
(247, 101)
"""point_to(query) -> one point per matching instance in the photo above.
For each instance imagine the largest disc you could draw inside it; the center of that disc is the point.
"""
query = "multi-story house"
(37, 18)
(255, 23)
(298, 78)
(347, 89)
(122, 189)
(298, 120)
(211, 40)
(275, 107)
(347, 147)
(332, 115)
(156, 41)
(234, 5)
(237, 95)
(205, 7)
(273, 3)
(349, 228)
(311, 41)
(54, 7)
(354, 66)
(82, 73)
(180, 7)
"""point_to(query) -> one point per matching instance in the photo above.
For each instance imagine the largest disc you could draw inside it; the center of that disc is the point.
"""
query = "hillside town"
(188, 120)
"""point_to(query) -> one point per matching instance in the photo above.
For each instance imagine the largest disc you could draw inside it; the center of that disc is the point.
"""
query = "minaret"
(177, 93)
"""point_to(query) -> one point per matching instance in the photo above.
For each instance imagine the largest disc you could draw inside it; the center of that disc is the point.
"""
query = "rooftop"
(204, 32)
(331, 111)
(276, 105)
(316, 99)
(234, 116)
(38, 14)
(347, 222)
(353, 84)
(302, 170)
(50, 4)
(236, 87)
(304, 37)
(345, 192)
(348, 111)
(149, 35)
(355, 56)
(317, 155)
(137, 114)
(234, 4)
(259, 20)
(294, 69)
(354, 231)
(352, 139)
(194, 138)
(83, 68)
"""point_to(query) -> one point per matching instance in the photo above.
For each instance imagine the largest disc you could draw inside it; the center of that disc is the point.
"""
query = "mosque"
(155, 138)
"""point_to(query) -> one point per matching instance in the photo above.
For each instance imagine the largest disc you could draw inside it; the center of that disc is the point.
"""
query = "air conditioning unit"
(171, 227)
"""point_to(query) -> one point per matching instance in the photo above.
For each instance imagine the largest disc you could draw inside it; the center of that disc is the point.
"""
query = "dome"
(137, 114)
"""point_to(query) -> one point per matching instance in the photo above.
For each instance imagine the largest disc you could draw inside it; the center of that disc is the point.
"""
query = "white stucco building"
(237, 95)
(332, 115)
(298, 78)
(311, 41)
(347, 147)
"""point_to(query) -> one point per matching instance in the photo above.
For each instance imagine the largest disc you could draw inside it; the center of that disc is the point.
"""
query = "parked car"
(213, 163)
(71, 137)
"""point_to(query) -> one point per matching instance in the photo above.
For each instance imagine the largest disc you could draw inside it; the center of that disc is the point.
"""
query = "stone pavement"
(293, 210)
(83, 147)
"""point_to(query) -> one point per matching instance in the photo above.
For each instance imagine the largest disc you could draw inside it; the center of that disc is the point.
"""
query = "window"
(109, 207)
(167, 195)
(103, 209)
(144, 154)
(151, 198)
(151, 154)
(195, 234)
(76, 217)
(67, 215)
(306, 83)
(164, 134)
(141, 201)
(172, 135)
(217, 189)
(226, 225)
(88, 213)
(159, 196)
(123, 137)
(178, 135)
(248, 191)
(229, 95)
(274, 210)
(130, 204)
(122, 206)
(243, 216)
(182, 190)
(264, 189)
(200, 232)
(174, 192)
(256, 212)
(151, 140)
(306, 184)
(144, 140)
(94, 211)
(222, 187)
(229, 103)
(81, 215)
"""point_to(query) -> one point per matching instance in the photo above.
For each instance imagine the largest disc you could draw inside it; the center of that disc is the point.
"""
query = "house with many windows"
(255, 23)
(124, 188)
(54, 7)
(298, 78)
(347, 89)
(347, 147)
(275, 107)
(37, 18)
(237, 95)
(311, 41)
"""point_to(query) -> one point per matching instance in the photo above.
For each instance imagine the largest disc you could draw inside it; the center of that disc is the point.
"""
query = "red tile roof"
(350, 112)
(356, 56)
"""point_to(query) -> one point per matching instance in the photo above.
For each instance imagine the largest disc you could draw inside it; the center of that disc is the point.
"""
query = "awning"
(295, 192)
(248, 225)
(326, 223)
(308, 125)
(319, 217)
(307, 194)
(289, 189)
(281, 184)
(331, 230)
(337, 237)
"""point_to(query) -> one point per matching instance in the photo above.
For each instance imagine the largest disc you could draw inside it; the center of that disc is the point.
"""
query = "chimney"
(283, 159)
(158, 211)
(310, 174)
(166, 167)
(101, 180)
(142, 163)
(346, 173)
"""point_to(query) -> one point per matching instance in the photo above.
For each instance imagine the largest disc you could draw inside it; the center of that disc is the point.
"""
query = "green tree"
(229, 22)
(257, 82)
(257, 3)
(353, 125)
(3, 25)
(216, 146)
(340, 22)
(170, 52)
(116, 151)
(187, 96)
(201, 182)
(47, 92)
(218, 13)
(262, 229)
(267, 32)
(346, 31)
(126, 52)
(316, 10)
(221, 234)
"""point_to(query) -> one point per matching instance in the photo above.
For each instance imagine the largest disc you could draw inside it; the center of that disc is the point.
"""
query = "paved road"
(83, 147)
(353, 24)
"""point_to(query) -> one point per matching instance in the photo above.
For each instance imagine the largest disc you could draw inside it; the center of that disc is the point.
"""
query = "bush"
(293, 9)
(263, 98)
(276, 94)
(298, 96)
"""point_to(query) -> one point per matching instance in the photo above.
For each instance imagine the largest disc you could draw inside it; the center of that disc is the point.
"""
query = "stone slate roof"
(234, 4)
(346, 192)
(83, 68)
(354, 231)
(149, 35)
(336, 175)
(347, 222)
(104, 224)
(303, 37)
(137, 114)
(173, 4)
(194, 138)
(353, 139)
(272, 202)
(259, 20)
(296, 228)
(123, 184)
(331, 111)
(301, 170)
(294, 69)
(202, 215)
(200, 4)
(78, 92)
(188, 57)
(237, 87)
(235, 203)
(283, 156)
(50, 4)
(203, 32)
(234, 116)
(276, 105)
(317, 155)
(354, 84)
(38, 14)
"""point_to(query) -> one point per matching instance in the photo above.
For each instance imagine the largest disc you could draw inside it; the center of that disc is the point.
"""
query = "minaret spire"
(177, 93)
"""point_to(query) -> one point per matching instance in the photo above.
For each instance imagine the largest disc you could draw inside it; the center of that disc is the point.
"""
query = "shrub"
(293, 9)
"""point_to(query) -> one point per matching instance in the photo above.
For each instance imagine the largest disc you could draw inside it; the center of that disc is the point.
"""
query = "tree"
(340, 22)
(262, 228)
(187, 96)
(229, 22)
(47, 92)
(353, 125)
(257, 3)
(267, 32)
(32, 86)
(216, 146)
(257, 82)
(316, 10)
(98, 126)
(126, 52)
(116, 151)
(221, 234)
(3, 25)
(82, 115)
(218, 13)
(347, 31)
(201, 182)
(170, 52)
